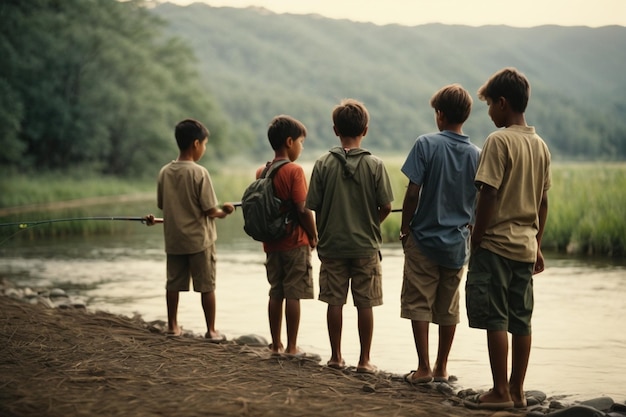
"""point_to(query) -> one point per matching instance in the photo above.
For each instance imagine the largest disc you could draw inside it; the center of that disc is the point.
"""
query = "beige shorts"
(363, 275)
(429, 292)
(200, 267)
(290, 273)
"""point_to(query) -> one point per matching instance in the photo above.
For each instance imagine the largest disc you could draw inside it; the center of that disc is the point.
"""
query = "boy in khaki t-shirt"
(513, 178)
(186, 196)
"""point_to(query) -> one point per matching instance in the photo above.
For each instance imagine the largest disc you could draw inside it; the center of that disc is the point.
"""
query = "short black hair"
(282, 127)
(510, 84)
(350, 118)
(187, 131)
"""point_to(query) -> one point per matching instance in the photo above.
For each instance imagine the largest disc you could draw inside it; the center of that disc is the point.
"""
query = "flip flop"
(172, 334)
(475, 403)
(417, 381)
(219, 339)
(339, 366)
(371, 371)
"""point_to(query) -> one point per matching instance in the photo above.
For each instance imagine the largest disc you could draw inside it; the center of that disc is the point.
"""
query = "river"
(579, 336)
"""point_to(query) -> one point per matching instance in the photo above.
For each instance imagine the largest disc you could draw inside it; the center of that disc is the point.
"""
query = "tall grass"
(587, 202)
(587, 208)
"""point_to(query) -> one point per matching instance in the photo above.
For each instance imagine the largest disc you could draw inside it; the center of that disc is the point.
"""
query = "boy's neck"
(517, 119)
(455, 128)
(348, 143)
(185, 157)
(281, 154)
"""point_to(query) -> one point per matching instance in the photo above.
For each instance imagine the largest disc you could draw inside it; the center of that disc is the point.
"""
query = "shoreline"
(69, 360)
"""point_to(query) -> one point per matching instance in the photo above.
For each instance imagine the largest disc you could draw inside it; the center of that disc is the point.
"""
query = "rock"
(578, 411)
(251, 340)
(600, 403)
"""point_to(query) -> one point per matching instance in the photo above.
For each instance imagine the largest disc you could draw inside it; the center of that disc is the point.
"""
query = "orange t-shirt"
(289, 184)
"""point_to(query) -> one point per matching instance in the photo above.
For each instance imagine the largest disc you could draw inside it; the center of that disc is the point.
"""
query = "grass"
(587, 203)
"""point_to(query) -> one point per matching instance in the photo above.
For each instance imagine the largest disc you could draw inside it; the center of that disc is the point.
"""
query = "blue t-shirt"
(444, 165)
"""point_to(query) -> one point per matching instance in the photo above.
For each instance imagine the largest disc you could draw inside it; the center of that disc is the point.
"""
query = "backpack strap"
(270, 171)
(272, 168)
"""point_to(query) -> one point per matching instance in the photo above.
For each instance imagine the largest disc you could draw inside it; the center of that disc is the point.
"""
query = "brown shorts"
(363, 275)
(429, 292)
(290, 273)
(200, 267)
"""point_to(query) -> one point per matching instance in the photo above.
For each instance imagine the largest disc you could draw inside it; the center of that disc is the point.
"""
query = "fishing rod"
(398, 210)
(26, 225)
(21, 226)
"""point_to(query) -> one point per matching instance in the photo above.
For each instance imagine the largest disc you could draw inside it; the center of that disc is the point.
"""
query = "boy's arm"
(485, 209)
(383, 211)
(409, 205)
(220, 212)
(543, 216)
(307, 221)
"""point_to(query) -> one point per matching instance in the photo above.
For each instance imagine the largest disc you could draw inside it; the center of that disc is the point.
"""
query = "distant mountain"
(259, 64)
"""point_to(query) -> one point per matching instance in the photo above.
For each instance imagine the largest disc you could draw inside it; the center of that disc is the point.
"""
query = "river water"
(579, 335)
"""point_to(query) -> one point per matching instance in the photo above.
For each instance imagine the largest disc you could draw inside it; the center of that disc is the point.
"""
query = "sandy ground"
(69, 362)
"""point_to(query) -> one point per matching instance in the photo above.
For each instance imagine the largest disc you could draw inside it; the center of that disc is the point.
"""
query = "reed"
(587, 204)
(587, 208)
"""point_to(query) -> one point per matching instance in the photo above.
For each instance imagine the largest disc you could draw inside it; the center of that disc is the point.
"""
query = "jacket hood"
(350, 159)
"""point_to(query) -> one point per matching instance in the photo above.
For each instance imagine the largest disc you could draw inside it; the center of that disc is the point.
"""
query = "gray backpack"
(262, 215)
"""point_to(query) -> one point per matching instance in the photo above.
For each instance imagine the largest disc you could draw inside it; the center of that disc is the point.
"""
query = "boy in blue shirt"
(437, 210)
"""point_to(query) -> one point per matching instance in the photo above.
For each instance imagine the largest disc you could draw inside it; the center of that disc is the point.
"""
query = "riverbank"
(70, 362)
(66, 360)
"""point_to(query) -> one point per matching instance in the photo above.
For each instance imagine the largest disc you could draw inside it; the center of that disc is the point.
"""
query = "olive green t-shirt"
(516, 162)
(185, 193)
(345, 199)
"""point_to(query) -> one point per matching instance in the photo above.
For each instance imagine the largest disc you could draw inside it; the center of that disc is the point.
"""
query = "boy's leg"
(292, 319)
(334, 280)
(203, 267)
(498, 345)
(275, 315)
(366, 331)
(520, 348)
(446, 314)
(171, 298)
(297, 285)
(334, 321)
(177, 271)
(420, 336)
(366, 285)
(208, 305)
(446, 337)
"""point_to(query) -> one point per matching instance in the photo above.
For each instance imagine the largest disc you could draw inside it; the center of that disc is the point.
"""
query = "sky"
(523, 13)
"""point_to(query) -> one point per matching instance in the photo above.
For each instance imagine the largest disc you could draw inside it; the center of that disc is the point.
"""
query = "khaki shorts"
(200, 267)
(499, 293)
(363, 275)
(429, 292)
(290, 273)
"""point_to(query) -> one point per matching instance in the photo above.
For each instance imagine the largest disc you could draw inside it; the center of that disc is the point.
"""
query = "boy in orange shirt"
(288, 259)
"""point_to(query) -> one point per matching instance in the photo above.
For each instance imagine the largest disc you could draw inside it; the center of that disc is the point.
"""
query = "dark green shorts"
(499, 293)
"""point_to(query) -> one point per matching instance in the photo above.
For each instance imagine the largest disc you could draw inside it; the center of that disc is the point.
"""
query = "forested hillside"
(94, 85)
(98, 85)
(258, 64)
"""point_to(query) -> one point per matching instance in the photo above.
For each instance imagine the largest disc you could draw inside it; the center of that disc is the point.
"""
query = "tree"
(96, 83)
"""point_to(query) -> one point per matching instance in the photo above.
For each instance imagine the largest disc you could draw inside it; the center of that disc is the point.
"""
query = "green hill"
(258, 64)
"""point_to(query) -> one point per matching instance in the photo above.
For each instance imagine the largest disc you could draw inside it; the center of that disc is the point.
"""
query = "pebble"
(538, 403)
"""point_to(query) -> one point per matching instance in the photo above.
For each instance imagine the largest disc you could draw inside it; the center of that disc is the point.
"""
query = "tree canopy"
(94, 83)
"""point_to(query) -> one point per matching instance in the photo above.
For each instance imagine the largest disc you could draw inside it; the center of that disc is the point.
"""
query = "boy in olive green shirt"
(351, 195)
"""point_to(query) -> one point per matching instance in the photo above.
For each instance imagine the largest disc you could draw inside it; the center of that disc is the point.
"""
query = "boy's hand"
(539, 263)
(149, 220)
(228, 208)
